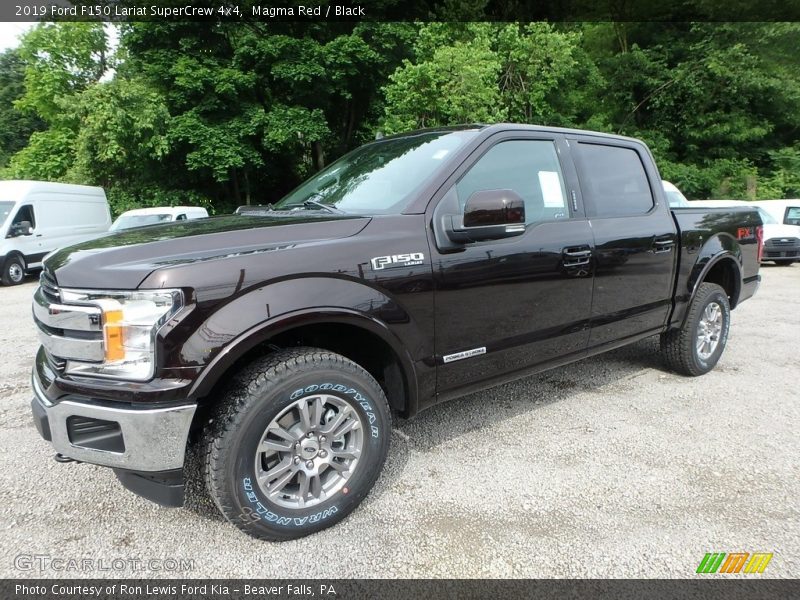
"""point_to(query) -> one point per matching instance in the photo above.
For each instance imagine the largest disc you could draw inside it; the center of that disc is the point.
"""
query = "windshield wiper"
(317, 204)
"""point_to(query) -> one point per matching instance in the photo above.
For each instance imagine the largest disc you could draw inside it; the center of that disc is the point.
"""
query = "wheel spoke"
(319, 410)
(348, 426)
(340, 416)
(302, 493)
(339, 466)
(281, 432)
(276, 445)
(280, 483)
(316, 487)
(345, 453)
(276, 471)
(305, 416)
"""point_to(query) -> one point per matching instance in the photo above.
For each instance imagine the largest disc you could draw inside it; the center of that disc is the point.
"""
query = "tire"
(13, 270)
(336, 392)
(681, 347)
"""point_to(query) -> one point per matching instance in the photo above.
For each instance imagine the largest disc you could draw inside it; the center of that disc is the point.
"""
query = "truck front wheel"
(695, 348)
(296, 443)
(13, 270)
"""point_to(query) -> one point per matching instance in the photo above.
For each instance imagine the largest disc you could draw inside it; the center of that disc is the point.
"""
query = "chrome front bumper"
(151, 439)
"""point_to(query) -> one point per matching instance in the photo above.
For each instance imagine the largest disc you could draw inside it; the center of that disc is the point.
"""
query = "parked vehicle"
(415, 269)
(139, 217)
(783, 211)
(37, 217)
(674, 196)
(781, 242)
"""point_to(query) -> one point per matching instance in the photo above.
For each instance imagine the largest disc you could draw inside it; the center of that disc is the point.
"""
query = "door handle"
(576, 256)
(663, 245)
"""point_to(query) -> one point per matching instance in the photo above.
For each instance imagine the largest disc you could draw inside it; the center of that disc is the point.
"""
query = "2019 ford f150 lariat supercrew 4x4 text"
(415, 269)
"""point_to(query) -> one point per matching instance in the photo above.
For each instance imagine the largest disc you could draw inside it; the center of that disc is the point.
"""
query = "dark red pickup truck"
(414, 269)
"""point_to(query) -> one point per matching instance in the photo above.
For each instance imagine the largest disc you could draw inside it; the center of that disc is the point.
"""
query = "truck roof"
(17, 188)
(489, 129)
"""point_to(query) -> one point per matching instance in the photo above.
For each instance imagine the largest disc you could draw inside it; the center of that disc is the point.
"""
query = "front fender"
(260, 314)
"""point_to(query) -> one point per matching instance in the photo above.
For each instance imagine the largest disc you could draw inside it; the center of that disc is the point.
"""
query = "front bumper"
(781, 249)
(122, 437)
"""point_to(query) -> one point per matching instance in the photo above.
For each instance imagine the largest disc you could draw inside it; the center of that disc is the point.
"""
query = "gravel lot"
(611, 467)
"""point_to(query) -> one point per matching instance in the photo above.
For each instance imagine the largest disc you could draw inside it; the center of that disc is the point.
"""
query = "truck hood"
(773, 230)
(122, 260)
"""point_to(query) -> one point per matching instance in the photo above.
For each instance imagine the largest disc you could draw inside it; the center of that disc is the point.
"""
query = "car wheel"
(696, 347)
(14, 270)
(296, 443)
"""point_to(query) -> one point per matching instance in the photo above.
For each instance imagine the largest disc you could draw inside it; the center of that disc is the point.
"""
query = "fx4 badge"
(397, 260)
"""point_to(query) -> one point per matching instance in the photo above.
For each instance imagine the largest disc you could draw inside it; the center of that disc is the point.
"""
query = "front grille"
(57, 364)
(49, 286)
(782, 242)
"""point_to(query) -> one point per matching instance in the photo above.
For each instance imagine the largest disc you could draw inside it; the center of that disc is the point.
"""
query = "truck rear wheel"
(695, 348)
(296, 443)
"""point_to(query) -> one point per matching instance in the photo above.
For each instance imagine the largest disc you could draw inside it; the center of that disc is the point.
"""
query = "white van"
(784, 211)
(38, 217)
(674, 196)
(781, 241)
(140, 217)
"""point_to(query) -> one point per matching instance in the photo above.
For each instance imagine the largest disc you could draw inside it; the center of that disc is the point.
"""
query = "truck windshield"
(767, 218)
(5, 209)
(126, 222)
(378, 178)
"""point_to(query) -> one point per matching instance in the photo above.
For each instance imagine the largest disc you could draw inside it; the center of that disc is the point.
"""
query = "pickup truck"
(278, 344)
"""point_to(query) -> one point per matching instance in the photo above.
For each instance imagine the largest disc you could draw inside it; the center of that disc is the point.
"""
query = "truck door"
(505, 306)
(28, 244)
(635, 237)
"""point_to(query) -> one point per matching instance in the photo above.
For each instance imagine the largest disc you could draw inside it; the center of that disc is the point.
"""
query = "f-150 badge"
(397, 260)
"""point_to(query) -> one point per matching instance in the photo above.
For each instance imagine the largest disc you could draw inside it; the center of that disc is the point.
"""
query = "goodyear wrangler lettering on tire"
(262, 512)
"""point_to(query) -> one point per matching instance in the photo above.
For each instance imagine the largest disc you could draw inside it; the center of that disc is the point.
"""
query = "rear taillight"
(760, 239)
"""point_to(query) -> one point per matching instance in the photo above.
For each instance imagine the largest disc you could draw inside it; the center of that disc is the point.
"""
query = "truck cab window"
(613, 181)
(25, 213)
(530, 168)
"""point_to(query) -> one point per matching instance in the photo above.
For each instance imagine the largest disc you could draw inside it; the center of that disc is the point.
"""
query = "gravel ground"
(612, 467)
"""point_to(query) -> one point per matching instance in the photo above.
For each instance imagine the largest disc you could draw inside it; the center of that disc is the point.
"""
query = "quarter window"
(613, 181)
(528, 167)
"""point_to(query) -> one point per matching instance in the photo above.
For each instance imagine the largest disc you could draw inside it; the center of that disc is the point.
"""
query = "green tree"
(15, 127)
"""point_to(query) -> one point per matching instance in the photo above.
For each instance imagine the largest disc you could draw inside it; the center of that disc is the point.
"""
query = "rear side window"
(613, 181)
(792, 216)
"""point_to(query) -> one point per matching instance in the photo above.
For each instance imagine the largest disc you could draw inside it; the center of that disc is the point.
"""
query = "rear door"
(635, 237)
(505, 306)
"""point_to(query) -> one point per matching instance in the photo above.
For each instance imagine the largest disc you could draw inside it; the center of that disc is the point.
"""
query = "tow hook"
(60, 458)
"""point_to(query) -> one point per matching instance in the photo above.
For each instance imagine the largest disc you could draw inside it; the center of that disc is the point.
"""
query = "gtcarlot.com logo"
(734, 562)
(62, 564)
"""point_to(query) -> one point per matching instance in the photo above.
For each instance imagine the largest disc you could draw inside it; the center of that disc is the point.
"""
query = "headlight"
(130, 323)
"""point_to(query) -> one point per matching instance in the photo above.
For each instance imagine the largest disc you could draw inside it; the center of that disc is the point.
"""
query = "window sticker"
(551, 189)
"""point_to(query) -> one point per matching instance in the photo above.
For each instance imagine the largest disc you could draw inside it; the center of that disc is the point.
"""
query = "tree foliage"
(222, 114)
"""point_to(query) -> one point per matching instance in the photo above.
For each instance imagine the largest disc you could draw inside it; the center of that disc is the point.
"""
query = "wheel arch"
(363, 339)
(723, 269)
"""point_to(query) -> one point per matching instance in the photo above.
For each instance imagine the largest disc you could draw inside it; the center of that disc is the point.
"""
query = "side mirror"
(488, 215)
(21, 228)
